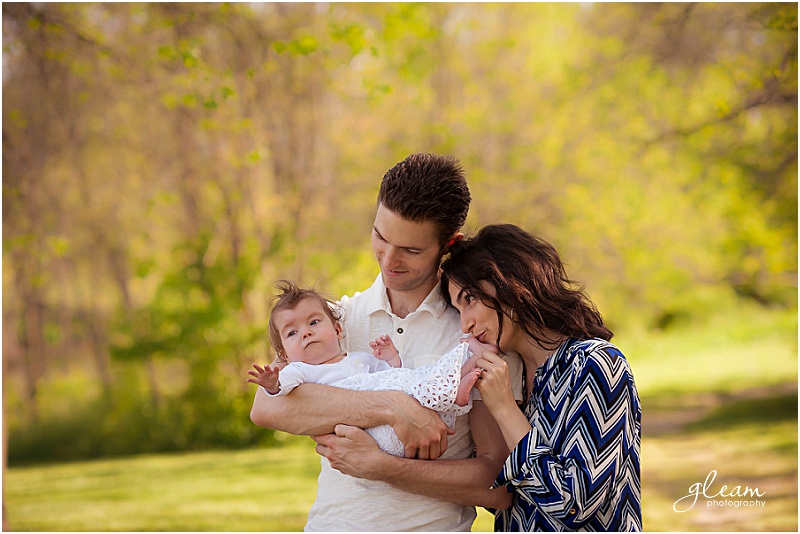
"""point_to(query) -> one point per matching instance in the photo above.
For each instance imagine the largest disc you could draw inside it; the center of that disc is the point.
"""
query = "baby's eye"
(291, 333)
(314, 322)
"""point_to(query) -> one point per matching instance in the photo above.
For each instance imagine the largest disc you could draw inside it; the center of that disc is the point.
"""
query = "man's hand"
(419, 429)
(353, 452)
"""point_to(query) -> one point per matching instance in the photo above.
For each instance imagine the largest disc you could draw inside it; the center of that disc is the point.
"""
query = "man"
(422, 205)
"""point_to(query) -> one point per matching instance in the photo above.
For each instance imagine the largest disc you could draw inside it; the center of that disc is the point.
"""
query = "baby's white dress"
(434, 386)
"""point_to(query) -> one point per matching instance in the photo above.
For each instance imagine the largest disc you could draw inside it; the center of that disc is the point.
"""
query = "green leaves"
(192, 313)
(305, 45)
(181, 158)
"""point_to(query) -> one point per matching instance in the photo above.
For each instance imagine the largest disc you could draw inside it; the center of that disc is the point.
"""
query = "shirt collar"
(379, 300)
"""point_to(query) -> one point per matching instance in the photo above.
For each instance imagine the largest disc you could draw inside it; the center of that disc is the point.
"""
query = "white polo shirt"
(345, 503)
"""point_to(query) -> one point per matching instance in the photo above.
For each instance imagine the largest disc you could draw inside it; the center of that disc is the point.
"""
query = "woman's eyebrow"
(460, 295)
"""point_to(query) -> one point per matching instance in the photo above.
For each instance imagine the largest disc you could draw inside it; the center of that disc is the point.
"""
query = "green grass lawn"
(723, 400)
(272, 489)
(250, 490)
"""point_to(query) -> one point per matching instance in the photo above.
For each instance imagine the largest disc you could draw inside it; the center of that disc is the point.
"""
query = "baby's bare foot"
(466, 385)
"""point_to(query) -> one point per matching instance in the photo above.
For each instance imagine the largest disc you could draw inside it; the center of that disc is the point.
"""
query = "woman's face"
(479, 319)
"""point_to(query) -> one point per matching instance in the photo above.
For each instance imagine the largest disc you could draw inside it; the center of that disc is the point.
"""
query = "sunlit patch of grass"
(721, 396)
(246, 491)
(762, 456)
(252, 490)
(749, 438)
(273, 489)
(739, 349)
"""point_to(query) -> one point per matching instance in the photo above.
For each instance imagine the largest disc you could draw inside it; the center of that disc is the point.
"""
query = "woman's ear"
(339, 331)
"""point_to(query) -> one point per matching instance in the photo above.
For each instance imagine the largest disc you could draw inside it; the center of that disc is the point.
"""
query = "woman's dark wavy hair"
(530, 280)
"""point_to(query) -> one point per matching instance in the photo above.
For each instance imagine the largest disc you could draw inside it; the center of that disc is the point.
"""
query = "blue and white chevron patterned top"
(578, 468)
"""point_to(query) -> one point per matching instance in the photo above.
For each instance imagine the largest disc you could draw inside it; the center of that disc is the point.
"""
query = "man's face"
(408, 252)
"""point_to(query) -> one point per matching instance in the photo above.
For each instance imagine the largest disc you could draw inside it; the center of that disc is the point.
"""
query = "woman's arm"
(598, 427)
(494, 385)
(313, 409)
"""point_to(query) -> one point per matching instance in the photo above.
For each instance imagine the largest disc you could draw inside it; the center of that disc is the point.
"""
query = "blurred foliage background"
(164, 164)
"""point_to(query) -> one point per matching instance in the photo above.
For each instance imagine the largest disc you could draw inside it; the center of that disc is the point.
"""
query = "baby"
(305, 330)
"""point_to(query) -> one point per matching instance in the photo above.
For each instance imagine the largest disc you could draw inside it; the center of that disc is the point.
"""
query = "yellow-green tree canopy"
(164, 164)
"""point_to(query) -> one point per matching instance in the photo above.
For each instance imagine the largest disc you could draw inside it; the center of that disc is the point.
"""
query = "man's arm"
(313, 409)
(468, 481)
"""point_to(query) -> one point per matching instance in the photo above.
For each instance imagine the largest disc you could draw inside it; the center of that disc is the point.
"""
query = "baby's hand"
(383, 348)
(266, 377)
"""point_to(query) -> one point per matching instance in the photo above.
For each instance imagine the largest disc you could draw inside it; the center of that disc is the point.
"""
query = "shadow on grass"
(748, 436)
(746, 411)
(682, 412)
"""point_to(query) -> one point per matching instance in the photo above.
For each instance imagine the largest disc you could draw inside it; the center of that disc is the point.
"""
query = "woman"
(574, 461)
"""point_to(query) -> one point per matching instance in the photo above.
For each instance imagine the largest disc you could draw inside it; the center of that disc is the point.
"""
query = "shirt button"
(400, 330)
(572, 511)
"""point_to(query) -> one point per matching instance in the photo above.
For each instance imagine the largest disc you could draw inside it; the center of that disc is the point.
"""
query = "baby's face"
(308, 334)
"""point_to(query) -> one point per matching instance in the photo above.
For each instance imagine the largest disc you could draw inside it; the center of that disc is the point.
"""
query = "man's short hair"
(428, 187)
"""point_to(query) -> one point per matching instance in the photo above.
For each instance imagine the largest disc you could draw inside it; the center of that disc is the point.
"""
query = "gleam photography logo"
(735, 497)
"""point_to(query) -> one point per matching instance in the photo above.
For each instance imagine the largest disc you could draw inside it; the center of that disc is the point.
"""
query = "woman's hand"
(494, 383)
(494, 386)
